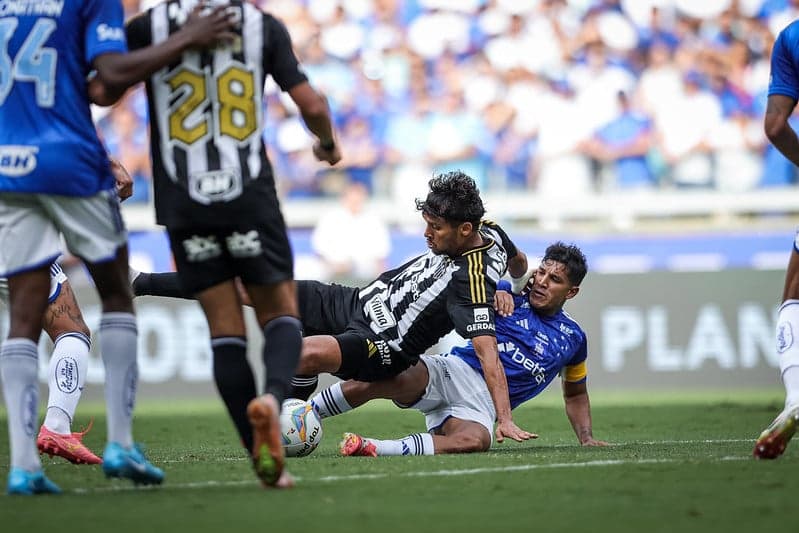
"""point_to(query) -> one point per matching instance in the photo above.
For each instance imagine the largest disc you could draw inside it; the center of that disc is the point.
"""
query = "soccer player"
(783, 93)
(537, 340)
(215, 193)
(56, 181)
(378, 331)
(66, 376)
(63, 322)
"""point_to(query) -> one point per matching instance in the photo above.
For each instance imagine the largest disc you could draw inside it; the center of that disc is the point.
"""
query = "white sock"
(66, 378)
(18, 371)
(118, 338)
(790, 378)
(331, 402)
(416, 444)
(788, 349)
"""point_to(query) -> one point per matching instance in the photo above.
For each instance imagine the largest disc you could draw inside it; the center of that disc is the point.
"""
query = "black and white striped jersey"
(413, 306)
(206, 111)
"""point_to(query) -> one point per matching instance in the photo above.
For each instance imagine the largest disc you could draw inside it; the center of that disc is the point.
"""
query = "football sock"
(19, 362)
(416, 444)
(282, 347)
(235, 382)
(331, 402)
(66, 378)
(788, 349)
(118, 344)
(165, 284)
(303, 386)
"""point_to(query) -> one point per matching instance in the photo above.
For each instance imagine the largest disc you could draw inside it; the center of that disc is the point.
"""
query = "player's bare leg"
(63, 322)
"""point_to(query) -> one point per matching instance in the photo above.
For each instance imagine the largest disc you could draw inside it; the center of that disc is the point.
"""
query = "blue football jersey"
(784, 78)
(533, 349)
(48, 143)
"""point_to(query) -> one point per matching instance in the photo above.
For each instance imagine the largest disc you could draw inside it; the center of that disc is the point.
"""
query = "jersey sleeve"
(279, 57)
(470, 300)
(576, 370)
(784, 78)
(504, 240)
(138, 31)
(105, 31)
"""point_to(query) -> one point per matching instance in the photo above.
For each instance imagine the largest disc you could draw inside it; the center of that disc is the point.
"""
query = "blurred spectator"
(621, 148)
(351, 240)
(685, 134)
(362, 152)
(522, 94)
(126, 138)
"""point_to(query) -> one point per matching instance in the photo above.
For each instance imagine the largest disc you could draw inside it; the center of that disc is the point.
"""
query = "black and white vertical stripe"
(212, 151)
(416, 294)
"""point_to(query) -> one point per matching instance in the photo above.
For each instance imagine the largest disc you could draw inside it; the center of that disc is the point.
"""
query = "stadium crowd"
(554, 96)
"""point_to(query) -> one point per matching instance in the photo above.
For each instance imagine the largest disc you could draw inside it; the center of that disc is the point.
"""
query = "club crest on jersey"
(215, 186)
(17, 160)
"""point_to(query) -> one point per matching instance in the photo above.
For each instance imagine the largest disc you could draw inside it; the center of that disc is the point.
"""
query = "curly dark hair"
(453, 196)
(571, 257)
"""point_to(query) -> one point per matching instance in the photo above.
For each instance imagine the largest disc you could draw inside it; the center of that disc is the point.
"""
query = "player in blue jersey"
(783, 93)
(537, 340)
(56, 181)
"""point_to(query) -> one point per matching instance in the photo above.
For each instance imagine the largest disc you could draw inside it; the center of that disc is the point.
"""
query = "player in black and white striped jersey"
(215, 193)
(380, 330)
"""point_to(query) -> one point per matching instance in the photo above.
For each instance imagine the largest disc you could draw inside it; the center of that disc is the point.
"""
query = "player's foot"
(355, 445)
(267, 447)
(69, 446)
(27, 483)
(130, 463)
(772, 442)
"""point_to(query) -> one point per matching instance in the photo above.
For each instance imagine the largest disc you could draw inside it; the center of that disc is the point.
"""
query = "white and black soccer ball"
(300, 428)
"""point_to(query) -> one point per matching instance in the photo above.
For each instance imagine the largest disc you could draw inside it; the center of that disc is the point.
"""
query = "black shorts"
(258, 253)
(330, 309)
(326, 308)
(366, 357)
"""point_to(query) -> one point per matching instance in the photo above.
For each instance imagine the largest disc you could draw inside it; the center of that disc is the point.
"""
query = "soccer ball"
(300, 428)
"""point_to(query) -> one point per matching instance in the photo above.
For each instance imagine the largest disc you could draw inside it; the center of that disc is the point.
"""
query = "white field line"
(543, 447)
(412, 474)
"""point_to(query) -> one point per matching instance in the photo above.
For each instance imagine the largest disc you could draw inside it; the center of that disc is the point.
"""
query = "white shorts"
(31, 226)
(57, 278)
(455, 390)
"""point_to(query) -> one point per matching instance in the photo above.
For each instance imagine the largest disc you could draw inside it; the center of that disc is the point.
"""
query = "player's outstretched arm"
(578, 409)
(116, 72)
(485, 346)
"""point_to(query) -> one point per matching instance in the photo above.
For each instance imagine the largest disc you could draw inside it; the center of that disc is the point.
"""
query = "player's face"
(551, 287)
(443, 237)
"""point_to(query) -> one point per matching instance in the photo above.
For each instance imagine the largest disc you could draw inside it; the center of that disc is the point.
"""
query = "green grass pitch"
(681, 462)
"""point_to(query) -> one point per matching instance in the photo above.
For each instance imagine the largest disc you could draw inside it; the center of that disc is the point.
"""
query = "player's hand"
(207, 27)
(507, 428)
(591, 441)
(332, 156)
(124, 183)
(518, 285)
(503, 303)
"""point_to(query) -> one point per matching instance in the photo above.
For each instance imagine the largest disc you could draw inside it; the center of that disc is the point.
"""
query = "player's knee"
(313, 360)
